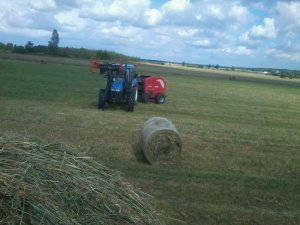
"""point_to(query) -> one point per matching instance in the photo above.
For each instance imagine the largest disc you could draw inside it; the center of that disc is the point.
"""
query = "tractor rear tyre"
(101, 99)
(160, 99)
(132, 98)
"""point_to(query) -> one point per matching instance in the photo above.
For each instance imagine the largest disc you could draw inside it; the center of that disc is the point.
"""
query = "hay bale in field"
(160, 140)
(50, 185)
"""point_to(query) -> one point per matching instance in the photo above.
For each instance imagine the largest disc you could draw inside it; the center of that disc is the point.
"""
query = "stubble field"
(241, 147)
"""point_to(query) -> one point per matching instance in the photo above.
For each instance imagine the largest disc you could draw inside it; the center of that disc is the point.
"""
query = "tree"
(29, 46)
(53, 43)
(103, 54)
(2, 45)
(19, 49)
(10, 46)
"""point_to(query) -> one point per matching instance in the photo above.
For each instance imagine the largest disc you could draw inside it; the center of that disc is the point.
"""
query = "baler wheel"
(160, 99)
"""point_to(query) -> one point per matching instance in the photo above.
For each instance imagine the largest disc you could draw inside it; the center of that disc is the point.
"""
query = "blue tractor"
(121, 86)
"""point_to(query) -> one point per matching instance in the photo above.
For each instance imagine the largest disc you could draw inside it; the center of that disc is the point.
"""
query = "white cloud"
(290, 56)
(119, 31)
(247, 40)
(215, 11)
(14, 14)
(199, 17)
(176, 5)
(70, 20)
(126, 7)
(287, 13)
(218, 14)
(258, 5)
(42, 4)
(265, 31)
(153, 16)
(239, 12)
(202, 42)
(131, 12)
(187, 33)
(28, 32)
(239, 50)
(242, 50)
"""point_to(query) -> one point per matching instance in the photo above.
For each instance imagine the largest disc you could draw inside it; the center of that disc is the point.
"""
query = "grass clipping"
(48, 184)
(160, 141)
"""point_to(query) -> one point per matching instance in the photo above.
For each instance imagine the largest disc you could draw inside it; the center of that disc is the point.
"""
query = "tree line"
(53, 49)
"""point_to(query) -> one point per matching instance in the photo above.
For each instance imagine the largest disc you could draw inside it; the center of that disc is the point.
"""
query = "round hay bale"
(160, 140)
(50, 185)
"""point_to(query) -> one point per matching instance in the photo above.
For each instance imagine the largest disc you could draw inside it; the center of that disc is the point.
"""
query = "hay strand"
(50, 185)
(160, 141)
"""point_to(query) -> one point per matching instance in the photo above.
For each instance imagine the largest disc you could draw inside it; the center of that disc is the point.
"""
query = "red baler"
(152, 88)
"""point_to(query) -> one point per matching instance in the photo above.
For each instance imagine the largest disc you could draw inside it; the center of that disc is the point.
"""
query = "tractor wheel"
(136, 95)
(101, 99)
(160, 99)
(132, 98)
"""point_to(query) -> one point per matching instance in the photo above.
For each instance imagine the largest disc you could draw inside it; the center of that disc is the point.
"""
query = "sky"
(240, 33)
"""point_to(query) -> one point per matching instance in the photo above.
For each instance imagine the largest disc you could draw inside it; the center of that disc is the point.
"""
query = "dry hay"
(50, 185)
(160, 141)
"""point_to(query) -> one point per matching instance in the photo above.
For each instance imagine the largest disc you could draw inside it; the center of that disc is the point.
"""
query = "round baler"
(152, 88)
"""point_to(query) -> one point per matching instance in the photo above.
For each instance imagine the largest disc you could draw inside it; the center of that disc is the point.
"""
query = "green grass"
(240, 160)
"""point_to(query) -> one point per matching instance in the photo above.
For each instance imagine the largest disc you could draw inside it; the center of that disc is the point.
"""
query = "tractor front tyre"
(160, 99)
(101, 99)
(132, 98)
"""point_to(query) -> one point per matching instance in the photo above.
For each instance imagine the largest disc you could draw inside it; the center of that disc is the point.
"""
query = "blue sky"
(247, 33)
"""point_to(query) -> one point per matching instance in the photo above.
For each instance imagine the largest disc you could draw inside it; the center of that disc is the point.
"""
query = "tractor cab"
(130, 75)
(124, 78)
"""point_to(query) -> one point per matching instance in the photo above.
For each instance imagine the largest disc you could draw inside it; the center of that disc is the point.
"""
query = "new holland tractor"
(121, 85)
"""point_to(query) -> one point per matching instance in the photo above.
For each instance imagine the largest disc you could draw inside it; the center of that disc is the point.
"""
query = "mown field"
(241, 147)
